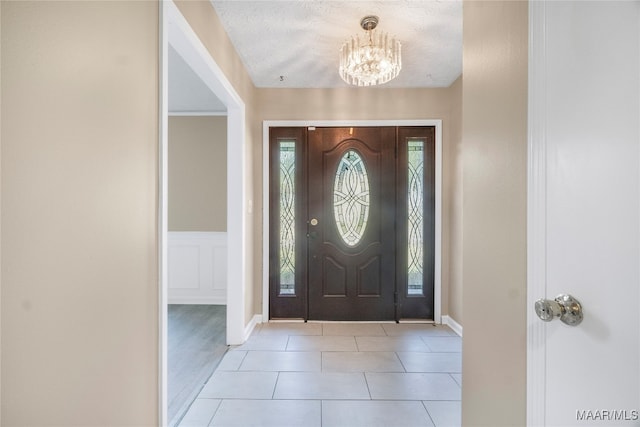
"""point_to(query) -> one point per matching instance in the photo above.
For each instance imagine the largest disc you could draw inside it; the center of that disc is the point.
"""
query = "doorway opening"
(175, 28)
(337, 258)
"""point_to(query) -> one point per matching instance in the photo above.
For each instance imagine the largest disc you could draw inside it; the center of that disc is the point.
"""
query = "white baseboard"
(257, 318)
(457, 327)
(215, 300)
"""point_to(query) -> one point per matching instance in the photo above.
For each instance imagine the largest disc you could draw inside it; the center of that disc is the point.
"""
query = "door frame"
(437, 123)
(196, 55)
(536, 214)
(173, 26)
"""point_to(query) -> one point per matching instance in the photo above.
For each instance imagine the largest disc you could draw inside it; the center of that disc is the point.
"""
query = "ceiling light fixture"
(375, 61)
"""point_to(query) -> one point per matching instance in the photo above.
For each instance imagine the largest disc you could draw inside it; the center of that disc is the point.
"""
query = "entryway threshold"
(417, 321)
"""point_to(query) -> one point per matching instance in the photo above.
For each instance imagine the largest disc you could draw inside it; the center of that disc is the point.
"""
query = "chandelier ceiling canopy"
(372, 61)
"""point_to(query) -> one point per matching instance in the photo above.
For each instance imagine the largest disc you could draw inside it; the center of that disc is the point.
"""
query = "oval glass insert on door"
(351, 198)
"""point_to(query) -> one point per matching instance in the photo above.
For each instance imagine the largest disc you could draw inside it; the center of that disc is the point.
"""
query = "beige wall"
(197, 173)
(362, 104)
(311, 104)
(206, 24)
(353, 104)
(79, 192)
(453, 222)
(79, 215)
(494, 144)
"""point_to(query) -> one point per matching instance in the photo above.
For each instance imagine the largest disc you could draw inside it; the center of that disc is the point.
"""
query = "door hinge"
(395, 298)
(395, 151)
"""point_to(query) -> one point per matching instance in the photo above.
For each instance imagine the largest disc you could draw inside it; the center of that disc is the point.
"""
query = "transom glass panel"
(415, 209)
(351, 198)
(287, 217)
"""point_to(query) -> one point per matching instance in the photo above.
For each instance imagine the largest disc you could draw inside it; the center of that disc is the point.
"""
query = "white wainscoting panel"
(197, 264)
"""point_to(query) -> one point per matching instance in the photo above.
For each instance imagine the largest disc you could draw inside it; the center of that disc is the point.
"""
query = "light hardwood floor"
(196, 344)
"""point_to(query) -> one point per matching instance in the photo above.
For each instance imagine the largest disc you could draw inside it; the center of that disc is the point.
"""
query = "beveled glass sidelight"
(287, 251)
(351, 198)
(415, 220)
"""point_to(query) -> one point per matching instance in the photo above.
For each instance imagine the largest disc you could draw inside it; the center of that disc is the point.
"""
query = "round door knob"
(565, 307)
(548, 310)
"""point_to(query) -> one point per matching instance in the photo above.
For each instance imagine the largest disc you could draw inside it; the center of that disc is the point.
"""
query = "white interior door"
(584, 215)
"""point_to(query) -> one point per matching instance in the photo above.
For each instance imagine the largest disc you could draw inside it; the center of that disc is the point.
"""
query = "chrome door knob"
(548, 310)
(565, 307)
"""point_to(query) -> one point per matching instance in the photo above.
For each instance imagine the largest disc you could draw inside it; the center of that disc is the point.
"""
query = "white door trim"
(175, 28)
(163, 120)
(536, 214)
(187, 43)
(437, 300)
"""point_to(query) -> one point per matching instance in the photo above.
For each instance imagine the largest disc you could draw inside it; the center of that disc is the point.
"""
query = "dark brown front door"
(352, 223)
(351, 211)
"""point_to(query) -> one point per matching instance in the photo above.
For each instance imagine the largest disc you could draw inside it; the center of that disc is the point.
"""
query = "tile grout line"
(428, 413)
(366, 381)
(426, 344)
(454, 380)
(364, 374)
(275, 386)
(286, 346)
(400, 360)
(215, 413)
(246, 353)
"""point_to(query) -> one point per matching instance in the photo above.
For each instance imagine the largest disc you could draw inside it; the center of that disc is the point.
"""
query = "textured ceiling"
(300, 40)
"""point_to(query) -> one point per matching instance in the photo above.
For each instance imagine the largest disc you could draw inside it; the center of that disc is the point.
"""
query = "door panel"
(351, 248)
(587, 115)
(368, 278)
(287, 201)
(416, 222)
(334, 281)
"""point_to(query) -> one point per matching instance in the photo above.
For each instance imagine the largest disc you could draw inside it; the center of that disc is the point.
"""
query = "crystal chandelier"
(375, 61)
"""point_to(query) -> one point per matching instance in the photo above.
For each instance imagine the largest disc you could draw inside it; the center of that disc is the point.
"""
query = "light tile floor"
(336, 374)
